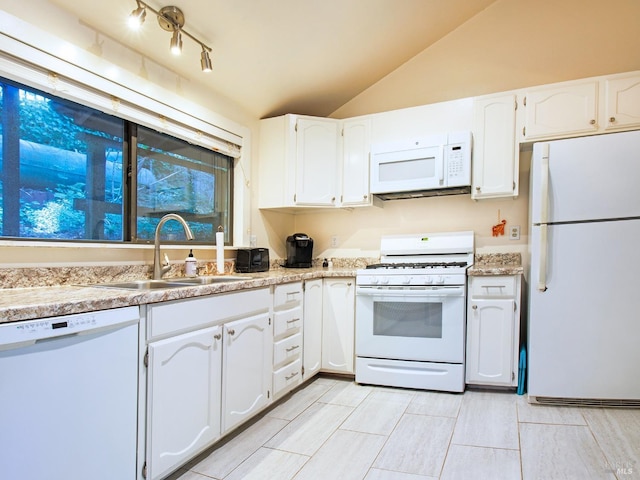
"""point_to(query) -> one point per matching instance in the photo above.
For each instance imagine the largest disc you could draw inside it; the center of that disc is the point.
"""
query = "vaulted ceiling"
(281, 56)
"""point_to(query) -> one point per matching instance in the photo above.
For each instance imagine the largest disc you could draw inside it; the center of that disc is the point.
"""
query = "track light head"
(176, 42)
(137, 16)
(205, 61)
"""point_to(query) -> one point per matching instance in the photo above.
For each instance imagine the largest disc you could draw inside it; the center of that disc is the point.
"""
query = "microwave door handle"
(441, 164)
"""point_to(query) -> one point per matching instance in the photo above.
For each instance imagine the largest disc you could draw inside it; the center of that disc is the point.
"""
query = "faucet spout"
(158, 269)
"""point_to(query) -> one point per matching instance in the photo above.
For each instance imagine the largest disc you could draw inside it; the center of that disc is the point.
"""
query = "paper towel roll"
(220, 252)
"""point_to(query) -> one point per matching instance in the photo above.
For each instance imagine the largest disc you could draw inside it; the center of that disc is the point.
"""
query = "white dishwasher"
(68, 397)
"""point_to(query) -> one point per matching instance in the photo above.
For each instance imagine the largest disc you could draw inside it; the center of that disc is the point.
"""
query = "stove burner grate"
(388, 266)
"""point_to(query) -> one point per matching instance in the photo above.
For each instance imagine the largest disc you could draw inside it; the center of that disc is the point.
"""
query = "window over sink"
(66, 174)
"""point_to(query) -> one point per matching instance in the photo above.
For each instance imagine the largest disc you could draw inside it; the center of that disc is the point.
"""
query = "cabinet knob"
(231, 331)
(592, 122)
(333, 199)
(217, 336)
(477, 189)
(475, 307)
(365, 197)
(612, 119)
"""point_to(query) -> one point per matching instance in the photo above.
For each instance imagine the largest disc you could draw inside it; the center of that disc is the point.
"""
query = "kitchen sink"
(143, 284)
(209, 279)
(172, 282)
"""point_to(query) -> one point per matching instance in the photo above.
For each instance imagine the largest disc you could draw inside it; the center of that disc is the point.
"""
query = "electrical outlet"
(514, 232)
(334, 241)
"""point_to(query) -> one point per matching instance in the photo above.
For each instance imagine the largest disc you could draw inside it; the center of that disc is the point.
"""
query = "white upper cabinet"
(495, 150)
(356, 147)
(316, 162)
(302, 160)
(563, 110)
(622, 102)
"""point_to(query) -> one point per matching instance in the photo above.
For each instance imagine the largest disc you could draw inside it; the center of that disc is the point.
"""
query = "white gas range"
(410, 312)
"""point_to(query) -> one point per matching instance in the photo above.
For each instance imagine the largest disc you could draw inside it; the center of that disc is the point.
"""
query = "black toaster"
(252, 260)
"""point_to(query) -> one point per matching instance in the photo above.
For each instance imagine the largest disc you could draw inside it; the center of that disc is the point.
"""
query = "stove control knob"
(406, 280)
(440, 279)
(384, 280)
(428, 280)
(374, 280)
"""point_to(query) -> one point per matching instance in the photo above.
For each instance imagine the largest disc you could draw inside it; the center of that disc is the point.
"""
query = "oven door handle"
(431, 292)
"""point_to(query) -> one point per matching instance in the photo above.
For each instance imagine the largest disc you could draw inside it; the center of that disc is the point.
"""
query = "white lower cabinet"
(312, 352)
(338, 325)
(287, 337)
(208, 370)
(246, 377)
(493, 330)
(184, 397)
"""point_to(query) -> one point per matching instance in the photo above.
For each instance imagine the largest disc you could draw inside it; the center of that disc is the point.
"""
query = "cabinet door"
(622, 107)
(495, 151)
(183, 399)
(356, 145)
(338, 323)
(312, 329)
(561, 111)
(490, 342)
(247, 366)
(317, 174)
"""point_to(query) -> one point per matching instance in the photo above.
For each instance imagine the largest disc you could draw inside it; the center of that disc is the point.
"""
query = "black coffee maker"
(299, 251)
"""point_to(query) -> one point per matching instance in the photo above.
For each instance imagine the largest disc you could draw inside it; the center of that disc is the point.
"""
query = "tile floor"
(335, 429)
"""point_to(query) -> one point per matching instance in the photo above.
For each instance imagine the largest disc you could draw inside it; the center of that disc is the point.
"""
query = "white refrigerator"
(584, 289)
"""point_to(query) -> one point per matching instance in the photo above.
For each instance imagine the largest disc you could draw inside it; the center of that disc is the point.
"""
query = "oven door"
(411, 323)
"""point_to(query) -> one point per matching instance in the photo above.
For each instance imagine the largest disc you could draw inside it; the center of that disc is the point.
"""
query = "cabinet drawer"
(287, 295)
(287, 350)
(287, 378)
(502, 286)
(287, 323)
(184, 315)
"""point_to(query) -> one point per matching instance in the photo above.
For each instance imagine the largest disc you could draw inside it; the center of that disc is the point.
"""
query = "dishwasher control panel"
(32, 330)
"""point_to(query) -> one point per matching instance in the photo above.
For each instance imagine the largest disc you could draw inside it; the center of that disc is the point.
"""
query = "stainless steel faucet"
(159, 270)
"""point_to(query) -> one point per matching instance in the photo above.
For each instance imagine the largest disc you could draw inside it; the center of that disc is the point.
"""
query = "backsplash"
(87, 275)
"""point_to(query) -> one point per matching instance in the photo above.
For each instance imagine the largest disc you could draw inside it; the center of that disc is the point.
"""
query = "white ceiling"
(286, 56)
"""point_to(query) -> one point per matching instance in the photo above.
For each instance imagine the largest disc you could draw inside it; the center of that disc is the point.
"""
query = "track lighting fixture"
(171, 19)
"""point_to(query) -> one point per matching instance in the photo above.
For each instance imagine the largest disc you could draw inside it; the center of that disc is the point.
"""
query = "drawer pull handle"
(292, 348)
(291, 376)
(494, 286)
(297, 292)
(293, 320)
(217, 336)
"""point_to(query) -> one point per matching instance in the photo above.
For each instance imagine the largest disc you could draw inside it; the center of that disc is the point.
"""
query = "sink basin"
(209, 279)
(143, 285)
(172, 282)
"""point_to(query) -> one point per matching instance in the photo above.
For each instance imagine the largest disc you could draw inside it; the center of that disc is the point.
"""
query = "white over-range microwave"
(432, 165)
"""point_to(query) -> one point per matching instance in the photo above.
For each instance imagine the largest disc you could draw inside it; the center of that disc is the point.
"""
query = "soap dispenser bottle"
(190, 265)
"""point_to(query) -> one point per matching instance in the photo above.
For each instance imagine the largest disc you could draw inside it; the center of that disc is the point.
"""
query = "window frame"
(25, 58)
(128, 132)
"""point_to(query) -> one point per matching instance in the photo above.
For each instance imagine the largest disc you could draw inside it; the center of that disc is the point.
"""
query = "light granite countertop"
(48, 301)
(66, 291)
(496, 264)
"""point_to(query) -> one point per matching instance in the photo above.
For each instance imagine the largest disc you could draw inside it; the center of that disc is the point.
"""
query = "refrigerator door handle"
(544, 184)
(542, 268)
(544, 217)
